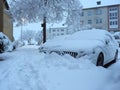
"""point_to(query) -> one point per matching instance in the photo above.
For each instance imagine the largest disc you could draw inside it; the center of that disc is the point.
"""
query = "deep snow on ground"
(27, 69)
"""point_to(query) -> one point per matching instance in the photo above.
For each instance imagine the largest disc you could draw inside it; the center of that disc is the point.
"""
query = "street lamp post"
(21, 32)
(22, 22)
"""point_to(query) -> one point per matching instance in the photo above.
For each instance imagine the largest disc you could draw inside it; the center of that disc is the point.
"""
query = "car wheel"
(116, 55)
(100, 60)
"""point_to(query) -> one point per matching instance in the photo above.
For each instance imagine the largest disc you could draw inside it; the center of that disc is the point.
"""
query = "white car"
(117, 37)
(98, 45)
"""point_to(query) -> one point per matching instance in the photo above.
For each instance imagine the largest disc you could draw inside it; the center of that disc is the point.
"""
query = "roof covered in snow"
(93, 3)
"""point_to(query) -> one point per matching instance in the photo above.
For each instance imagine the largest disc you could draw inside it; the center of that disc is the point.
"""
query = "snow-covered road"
(27, 69)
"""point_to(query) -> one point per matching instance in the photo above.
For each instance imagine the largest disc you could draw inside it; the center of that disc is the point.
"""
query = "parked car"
(98, 45)
(5, 43)
(117, 37)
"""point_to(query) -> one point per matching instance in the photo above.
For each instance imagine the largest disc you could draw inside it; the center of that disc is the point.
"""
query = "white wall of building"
(59, 31)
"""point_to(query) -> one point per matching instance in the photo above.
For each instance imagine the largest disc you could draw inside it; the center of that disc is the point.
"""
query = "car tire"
(100, 60)
(116, 56)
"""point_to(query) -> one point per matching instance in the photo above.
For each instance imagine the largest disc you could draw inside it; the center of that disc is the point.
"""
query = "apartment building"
(101, 14)
(56, 30)
(6, 24)
(59, 31)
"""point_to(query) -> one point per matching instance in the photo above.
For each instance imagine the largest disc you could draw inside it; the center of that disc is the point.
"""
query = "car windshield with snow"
(99, 46)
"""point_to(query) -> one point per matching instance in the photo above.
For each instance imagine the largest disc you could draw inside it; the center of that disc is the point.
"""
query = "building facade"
(101, 14)
(6, 24)
(57, 31)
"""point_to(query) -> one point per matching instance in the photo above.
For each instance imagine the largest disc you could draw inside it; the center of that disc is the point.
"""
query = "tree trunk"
(44, 29)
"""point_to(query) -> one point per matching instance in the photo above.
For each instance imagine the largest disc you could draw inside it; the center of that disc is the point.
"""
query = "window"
(82, 14)
(113, 17)
(113, 9)
(62, 33)
(89, 21)
(98, 21)
(98, 12)
(110, 22)
(116, 22)
(89, 13)
(113, 22)
(54, 30)
(62, 30)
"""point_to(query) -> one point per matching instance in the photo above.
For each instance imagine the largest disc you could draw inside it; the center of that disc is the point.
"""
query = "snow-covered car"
(117, 37)
(99, 46)
(5, 43)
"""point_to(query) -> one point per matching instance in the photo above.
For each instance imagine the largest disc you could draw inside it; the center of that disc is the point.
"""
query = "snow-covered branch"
(34, 10)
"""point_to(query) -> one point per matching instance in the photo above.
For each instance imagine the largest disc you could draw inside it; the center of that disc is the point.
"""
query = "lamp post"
(21, 32)
(22, 22)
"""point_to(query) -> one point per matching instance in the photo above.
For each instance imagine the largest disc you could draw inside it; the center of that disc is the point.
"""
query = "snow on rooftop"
(93, 3)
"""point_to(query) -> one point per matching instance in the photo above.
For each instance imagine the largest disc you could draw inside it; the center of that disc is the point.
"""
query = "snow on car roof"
(94, 34)
(80, 40)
